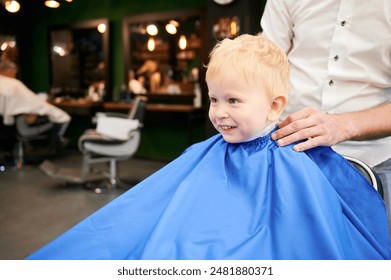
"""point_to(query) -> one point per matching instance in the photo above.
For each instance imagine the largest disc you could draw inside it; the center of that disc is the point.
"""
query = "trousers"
(383, 170)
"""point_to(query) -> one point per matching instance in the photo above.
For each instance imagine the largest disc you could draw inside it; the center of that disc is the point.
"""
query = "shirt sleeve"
(277, 24)
(21, 100)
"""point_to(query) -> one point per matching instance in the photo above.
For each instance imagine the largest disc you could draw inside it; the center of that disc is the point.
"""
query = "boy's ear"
(277, 106)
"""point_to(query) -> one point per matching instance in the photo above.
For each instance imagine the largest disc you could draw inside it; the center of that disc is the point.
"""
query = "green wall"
(32, 22)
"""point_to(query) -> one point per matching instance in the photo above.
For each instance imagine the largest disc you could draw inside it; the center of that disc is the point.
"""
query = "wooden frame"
(79, 84)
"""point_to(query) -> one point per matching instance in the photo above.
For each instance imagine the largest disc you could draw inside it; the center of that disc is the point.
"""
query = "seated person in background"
(39, 116)
(238, 195)
(153, 76)
(135, 86)
(97, 88)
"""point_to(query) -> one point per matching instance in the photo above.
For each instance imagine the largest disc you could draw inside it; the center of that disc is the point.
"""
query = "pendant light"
(52, 3)
(12, 6)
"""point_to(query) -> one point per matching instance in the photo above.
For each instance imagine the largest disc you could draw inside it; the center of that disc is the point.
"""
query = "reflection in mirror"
(163, 51)
(79, 60)
(226, 27)
(8, 48)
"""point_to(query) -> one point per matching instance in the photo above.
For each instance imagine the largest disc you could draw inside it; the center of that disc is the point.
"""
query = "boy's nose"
(221, 112)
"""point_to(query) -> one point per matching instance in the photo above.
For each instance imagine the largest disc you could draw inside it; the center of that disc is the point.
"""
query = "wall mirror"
(79, 58)
(8, 48)
(164, 51)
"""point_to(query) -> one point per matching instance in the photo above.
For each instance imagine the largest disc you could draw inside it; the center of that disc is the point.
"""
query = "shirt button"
(343, 23)
(331, 82)
(336, 57)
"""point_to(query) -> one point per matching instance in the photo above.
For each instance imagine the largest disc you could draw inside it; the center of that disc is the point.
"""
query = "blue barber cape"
(251, 200)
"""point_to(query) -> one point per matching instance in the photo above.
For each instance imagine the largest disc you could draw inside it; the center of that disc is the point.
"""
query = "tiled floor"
(34, 208)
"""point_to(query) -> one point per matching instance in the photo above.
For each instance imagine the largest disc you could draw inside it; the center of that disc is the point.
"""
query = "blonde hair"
(255, 59)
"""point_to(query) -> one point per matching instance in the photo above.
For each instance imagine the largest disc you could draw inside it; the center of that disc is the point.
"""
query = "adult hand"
(315, 127)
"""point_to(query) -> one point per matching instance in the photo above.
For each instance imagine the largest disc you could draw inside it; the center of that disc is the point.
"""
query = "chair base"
(68, 174)
(107, 186)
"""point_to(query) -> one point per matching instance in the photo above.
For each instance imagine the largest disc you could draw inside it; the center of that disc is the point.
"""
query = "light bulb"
(182, 42)
(12, 6)
(151, 44)
(171, 27)
(102, 28)
(52, 4)
(152, 30)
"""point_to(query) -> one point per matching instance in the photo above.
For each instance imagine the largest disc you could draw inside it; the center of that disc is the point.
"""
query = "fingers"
(298, 126)
(295, 131)
(311, 132)
(308, 144)
(303, 114)
(312, 127)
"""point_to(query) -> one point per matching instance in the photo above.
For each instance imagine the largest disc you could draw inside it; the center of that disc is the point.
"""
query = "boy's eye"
(212, 100)
(233, 101)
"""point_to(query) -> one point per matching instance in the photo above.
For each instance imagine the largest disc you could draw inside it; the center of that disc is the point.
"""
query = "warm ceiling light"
(52, 4)
(151, 44)
(182, 42)
(234, 28)
(3, 46)
(102, 28)
(60, 51)
(8, 44)
(152, 30)
(12, 44)
(171, 26)
(12, 6)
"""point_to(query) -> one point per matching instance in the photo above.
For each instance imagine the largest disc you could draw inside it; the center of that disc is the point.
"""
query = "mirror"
(163, 51)
(8, 48)
(79, 56)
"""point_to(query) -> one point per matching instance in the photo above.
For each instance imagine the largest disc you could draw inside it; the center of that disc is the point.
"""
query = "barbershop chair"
(7, 141)
(98, 145)
(30, 135)
(368, 173)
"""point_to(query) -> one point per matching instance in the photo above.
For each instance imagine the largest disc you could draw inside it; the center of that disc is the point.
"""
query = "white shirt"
(16, 98)
(340, 56)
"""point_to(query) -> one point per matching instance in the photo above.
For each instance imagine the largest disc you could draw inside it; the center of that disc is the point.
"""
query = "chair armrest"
(108, 114)
(92, 136)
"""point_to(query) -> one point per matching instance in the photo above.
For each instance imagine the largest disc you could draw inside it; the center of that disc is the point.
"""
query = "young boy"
(238, 195)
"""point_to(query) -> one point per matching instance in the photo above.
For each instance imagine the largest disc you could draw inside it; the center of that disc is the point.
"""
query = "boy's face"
(238, 111)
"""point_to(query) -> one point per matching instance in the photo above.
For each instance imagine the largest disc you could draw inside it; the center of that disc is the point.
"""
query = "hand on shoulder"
(312, 125)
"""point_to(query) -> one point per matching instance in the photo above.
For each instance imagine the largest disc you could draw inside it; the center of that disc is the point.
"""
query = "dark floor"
(34, 208)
